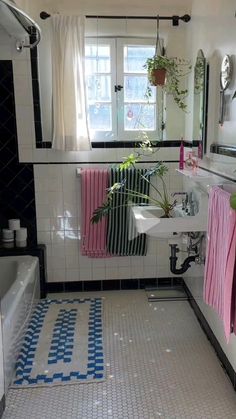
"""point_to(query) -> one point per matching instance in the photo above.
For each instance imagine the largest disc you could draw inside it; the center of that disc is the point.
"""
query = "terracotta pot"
(158, 77)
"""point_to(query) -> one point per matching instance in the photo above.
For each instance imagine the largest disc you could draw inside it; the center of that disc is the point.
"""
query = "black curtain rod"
(175, 19)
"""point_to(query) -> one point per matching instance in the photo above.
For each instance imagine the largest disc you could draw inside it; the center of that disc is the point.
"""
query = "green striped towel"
(118, 243)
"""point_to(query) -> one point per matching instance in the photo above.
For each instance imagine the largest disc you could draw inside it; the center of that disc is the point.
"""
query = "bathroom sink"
(148, 219)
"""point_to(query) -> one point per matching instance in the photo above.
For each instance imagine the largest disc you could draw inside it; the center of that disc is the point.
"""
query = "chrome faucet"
(191, 203)
(184, 201)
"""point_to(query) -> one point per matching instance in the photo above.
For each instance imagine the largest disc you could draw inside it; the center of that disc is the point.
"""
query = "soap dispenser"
(181, 155)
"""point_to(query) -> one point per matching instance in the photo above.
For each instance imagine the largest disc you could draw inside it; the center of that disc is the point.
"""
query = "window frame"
(118, 133)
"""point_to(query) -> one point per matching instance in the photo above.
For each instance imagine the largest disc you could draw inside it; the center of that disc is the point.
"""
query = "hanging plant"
(167, 72)
(174, 69)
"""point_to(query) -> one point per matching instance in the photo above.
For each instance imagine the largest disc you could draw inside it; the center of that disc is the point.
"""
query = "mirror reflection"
(200, 98)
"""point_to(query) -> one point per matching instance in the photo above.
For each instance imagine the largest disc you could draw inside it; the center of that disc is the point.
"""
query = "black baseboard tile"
(55, 287)
(76, 286)
(92, 285)
(111, 285)
(129, 284)
(147, 283)
(211, 337)
(2, 405)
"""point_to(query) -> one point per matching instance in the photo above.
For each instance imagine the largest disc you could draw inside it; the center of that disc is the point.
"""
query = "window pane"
(97, 59)
(99, 116)
(98, 88)
(135, 88)
(135, 57)
(139, 116)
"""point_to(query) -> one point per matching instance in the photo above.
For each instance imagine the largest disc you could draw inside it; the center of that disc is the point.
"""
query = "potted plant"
(167, 72)
(160, 197)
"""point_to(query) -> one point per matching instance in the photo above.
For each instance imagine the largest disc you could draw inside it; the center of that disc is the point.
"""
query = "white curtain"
(70, 127)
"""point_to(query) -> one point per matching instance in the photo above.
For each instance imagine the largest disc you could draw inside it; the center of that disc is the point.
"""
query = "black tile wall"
(17, 195)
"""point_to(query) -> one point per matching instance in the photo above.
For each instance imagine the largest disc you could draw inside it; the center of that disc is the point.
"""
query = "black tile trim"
(225, 150)
(121, 144)
(218, 174)
(2, 405)
(80, 163)
(211, 337)
(112, 284)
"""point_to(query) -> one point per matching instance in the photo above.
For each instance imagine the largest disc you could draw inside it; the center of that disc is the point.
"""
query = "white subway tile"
(112, 273)
(85, 274)
(137, 271)
(25, 154)
(150, 260)
(85, 262)
(44, 237)
(43, 224)
(23, 90)
(72, 261)
(58, 238)
(124, 272)
(59, 275)
(43, 211)
(58, 262)
(72, 275)
(57, 224)
(99, 273)
(72, 245)
(149, 272)
(50, 275)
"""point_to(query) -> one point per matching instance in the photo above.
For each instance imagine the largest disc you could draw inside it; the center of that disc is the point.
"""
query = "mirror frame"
(201, 76)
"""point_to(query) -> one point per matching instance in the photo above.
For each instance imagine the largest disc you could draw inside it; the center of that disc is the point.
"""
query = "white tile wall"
(58, 223)
(58, 193)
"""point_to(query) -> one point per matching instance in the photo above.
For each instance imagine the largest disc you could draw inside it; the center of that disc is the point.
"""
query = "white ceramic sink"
(148, 219)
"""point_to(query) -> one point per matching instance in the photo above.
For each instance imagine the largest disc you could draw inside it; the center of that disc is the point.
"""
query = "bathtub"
(19, 293)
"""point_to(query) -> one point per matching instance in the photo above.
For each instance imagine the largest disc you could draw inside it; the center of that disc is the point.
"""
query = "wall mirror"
(200, 99)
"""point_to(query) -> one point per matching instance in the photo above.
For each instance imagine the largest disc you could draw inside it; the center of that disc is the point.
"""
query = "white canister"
(21, 243)
(8, 244)
(7, 234)
(14, 224)
(21, 234)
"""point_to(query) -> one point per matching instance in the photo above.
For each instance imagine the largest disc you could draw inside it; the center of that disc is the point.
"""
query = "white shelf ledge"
(195, 174)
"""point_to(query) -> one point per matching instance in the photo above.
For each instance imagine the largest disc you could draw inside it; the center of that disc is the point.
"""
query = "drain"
(166, 294)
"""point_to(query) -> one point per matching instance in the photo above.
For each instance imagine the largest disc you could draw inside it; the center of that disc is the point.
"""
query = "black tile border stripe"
(218, 174)
(113, 284)
(2, 405)
(80, 163)
(225, 150)
(211, 337)
(124, 144)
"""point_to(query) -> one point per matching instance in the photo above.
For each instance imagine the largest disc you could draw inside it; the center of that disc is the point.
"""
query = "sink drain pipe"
(173, 261)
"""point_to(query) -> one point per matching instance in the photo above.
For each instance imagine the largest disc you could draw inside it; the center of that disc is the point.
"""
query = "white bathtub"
(19, 292)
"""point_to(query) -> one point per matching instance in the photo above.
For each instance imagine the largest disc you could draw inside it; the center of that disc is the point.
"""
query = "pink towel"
(94, 188)
(220, 257)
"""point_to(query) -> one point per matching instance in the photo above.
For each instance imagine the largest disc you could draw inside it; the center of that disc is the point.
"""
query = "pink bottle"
(181, 156)
(200, 150)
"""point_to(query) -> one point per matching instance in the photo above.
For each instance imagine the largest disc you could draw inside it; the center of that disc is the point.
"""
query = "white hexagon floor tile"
(159, 365)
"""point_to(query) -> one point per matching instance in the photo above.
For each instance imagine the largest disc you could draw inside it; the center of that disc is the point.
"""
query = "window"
(116, 84)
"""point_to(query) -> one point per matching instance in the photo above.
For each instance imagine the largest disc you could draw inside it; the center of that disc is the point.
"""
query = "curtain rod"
(175, 18)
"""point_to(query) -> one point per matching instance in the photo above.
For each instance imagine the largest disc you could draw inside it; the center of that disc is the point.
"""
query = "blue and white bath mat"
(63, 344)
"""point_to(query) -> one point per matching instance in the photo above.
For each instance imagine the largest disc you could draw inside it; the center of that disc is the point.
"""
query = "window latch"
(118, 88)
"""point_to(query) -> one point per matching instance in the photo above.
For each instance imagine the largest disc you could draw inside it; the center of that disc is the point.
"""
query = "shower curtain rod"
(175, 18)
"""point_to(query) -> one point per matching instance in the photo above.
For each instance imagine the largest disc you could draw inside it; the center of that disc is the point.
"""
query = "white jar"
(21, 243)
(14, 224)
(7, 234)
(21, 234)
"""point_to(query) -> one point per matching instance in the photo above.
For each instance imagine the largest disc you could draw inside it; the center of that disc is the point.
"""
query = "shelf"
(196, 175)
